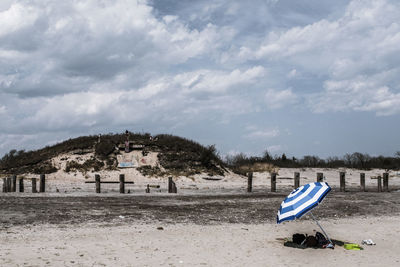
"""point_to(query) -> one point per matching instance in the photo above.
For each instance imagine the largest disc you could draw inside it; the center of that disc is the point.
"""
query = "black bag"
(311, 242)
(321, 239)
(298, 238)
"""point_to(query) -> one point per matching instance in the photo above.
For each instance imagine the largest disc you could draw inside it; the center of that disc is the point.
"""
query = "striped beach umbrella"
(301, 201)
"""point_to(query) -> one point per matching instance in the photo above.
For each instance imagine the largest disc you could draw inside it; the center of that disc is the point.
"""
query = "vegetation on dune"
(177, 155)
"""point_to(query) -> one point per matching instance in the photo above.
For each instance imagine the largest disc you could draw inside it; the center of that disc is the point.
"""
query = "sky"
(304, 77)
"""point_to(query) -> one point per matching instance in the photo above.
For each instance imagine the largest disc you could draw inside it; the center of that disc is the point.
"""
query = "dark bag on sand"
(311, 241)
(321, 239)
(298, 238)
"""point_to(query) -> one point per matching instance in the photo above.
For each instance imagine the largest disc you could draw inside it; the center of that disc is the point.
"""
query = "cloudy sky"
(300, 77)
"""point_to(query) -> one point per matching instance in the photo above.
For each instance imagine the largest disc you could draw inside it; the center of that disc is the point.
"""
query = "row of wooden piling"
(320, 178)
(10, 184)
(171, 184)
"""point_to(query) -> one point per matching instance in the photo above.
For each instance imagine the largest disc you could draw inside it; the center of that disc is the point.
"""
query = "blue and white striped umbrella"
(302, 200)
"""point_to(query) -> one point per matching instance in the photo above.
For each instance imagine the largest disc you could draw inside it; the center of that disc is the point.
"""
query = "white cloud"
(218, 81)
(361, 93)
(17, 17)
(362, 44)
(278, 99)
(262, 134)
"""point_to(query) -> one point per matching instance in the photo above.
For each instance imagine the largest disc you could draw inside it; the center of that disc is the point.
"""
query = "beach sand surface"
(198, 245)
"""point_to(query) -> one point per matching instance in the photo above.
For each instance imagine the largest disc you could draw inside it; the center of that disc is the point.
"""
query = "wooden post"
(296, 179)
(42, 183)
(273, 182)
(249, 182)
(14, 183)
(362, 182)
(170, 184)
(386, 182)
(8, 184)
(342, 181)
(148, 188)
(21, 184)
(34, 185)
(320, 177)
(379, 184)
(4, 185)
(122, 183)
(174, 189)
(97, 178)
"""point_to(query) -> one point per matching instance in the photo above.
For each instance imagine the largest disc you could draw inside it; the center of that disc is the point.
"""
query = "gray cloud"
(77, 67)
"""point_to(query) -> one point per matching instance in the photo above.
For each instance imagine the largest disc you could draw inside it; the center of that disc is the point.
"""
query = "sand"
(197, 245)
(233, 228)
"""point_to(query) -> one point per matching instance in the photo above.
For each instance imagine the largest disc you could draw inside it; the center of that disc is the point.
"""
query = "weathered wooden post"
(34, 185)
(320, 177)
(379, 183)
(273, 182)
(148, 188)
(386, 182)
(249, 182)
(4, 185)
(8, 184)
(97, 178)
(296, 179)
(14, 183)
(362, 182)
(174, 188)
(122, 183)
(42, 183)
(342, 181)
(170, 184)
(21, 184)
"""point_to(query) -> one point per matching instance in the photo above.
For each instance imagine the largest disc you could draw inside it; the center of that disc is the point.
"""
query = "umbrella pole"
(312, 215)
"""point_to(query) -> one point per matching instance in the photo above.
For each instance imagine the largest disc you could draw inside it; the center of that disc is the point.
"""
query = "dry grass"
(259, 167)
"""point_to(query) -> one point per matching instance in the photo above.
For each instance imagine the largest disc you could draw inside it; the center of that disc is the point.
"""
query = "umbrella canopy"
(302, 200)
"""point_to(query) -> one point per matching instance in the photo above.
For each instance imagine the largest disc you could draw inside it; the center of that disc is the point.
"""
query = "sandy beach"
(196, 245)
(208, 223)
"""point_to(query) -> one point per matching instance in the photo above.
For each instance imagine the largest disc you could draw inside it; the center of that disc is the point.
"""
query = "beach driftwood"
(249, 182)
(273, 182)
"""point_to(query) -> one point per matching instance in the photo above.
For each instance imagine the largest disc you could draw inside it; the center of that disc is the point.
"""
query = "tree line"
(355, 160)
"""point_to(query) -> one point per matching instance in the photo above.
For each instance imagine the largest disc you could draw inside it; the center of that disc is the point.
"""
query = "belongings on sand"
(368, 242)
(309, 241)
(352, 246)
(302, 200)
